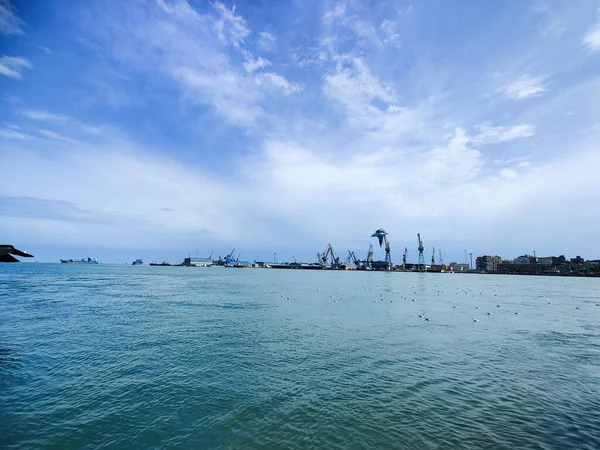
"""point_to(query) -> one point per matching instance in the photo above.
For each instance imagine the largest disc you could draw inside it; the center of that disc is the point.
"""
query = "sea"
(108, 356)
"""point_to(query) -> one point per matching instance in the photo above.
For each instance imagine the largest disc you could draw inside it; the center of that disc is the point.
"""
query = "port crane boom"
(329, 253)
(421, 257)
(381, 236)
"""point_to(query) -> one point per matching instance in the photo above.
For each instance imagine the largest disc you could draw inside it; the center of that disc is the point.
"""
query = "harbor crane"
(433, 257)
(353, 259)
(421, 257)
(329, 253)
(230, 258)
(381, 236)
(370, 257)
(404, 258)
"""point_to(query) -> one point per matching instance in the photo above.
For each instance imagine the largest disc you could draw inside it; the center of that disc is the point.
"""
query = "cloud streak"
(525, 87)
(591, 40)
(12, 66)
(9, 20)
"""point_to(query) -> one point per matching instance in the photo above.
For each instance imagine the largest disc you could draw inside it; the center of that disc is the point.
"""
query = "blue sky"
(158, 128)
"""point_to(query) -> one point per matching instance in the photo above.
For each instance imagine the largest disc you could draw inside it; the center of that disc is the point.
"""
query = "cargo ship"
(79, 261)
(138, 262)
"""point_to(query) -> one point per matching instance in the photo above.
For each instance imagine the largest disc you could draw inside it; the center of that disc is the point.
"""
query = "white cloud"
(231, 28)
(366, 101)
(493, 135)
(555, 28)
(200, 62)
(266, 41)
(389, 27)
(525, 87)
(12, 66)
(277, 82)
(254, 64)
(43, 116)
(356, 85)
(337, 12)
(507, 173)
(9, 21)
(11, 133)
(56, 136)
(58, 119)
(591, 40)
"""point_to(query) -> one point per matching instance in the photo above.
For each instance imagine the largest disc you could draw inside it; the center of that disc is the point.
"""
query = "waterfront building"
(488, 263)
(198, 262)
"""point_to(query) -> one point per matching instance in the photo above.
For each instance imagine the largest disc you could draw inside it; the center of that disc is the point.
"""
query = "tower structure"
(421, 257)
(433, 257)
(404, 258)
(441, 261)
(381, 236)
(370, 257)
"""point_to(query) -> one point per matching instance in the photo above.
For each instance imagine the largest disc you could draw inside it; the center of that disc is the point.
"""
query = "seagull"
(475, 320)
(489, 314)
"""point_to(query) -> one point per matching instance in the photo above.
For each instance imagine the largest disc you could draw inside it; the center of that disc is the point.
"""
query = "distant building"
(198, 262)
(525, 259)
(488, 263)
(520, 268)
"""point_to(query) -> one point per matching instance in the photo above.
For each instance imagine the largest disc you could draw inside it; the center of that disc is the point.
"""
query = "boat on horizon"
(80, 261)
(138, 262)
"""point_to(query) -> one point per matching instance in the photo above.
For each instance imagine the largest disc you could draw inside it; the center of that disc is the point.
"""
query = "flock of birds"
(415, 294)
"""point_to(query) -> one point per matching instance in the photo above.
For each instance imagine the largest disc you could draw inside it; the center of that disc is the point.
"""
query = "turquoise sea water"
(157, 357)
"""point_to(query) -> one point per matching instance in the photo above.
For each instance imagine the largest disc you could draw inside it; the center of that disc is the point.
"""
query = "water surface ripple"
(155, 357)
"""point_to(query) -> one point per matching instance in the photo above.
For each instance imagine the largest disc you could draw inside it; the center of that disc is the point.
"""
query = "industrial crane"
(421, 257)
(353, 259)
(404, 258)
(433, 257)
(329, 253)
(381, 236)
(230, 258)
(370, 257)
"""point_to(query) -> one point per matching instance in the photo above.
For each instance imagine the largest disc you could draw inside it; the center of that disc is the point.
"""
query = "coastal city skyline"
(160, 128)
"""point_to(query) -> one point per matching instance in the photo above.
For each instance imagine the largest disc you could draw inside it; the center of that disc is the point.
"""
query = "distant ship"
(138, 262)
(79, 261)
(164, 263)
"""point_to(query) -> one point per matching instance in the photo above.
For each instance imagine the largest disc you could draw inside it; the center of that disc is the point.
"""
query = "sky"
(162, 128)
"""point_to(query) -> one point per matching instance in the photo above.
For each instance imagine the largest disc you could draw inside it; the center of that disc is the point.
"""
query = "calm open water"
(154, 357)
